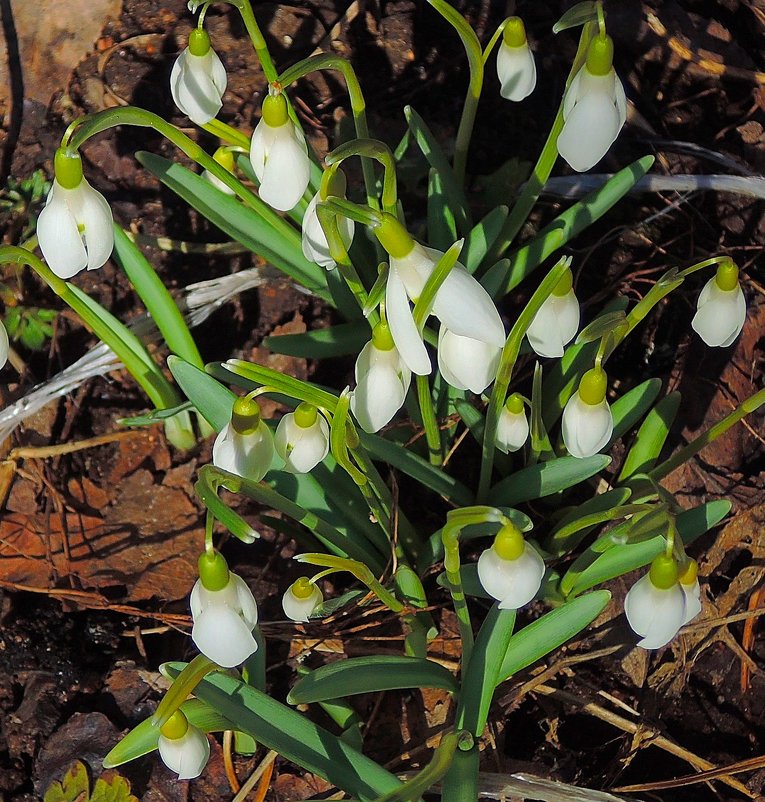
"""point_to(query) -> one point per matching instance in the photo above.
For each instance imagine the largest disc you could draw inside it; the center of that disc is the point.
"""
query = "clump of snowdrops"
(436, 332)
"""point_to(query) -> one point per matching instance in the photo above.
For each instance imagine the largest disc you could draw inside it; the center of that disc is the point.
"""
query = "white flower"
(692, 600)
(512, 581)
(4, 345)
(512, 426)
(315, 245)
(587, 420)
(224, 620)
(554, 325)
(465, 363)
(594, 109)
(247, 455)
(279, 156)
(186, 755)
(720, 314)
(461, 304)
(198, 79)
(75, 229)
(217, 183)
(382, 382)
(516, 69)
(656, 614)
(302, 439)
(301, 599)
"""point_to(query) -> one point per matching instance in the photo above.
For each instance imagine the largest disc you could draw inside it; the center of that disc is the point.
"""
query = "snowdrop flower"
(587, 421)
(198, 79)
(465, 363)
(301, 599)
(511, 571)
(461, 304)
(302, 439)
(279, 155)
(245, 446)
(225, 159)
(224, 613)
(557, 321)
(594, 108)
(75, 230)
(513, 425)
(315, 245)
(659, 603)
(516, 69)
(721, 308)
(382, 381)
(183, 747)
(5, 345)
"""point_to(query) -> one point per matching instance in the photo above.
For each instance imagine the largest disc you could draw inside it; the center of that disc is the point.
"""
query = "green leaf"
(550, 631)
(241, 222)
(573, 527)
(482, 237)
(483, 671)
(73, 787)
(537, 481)
(580, 14)
(651, 437)
(343, 339)
(442, 230)
(370, 675)
(602, 325)
(209, 396)
(628, 409)
(294, 737)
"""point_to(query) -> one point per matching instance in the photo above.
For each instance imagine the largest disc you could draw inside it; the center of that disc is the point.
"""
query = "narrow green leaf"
(209, 396)
(550, 631)
(481, 237)
(294, 737)
(569, 531)
(369, 675)
(628, 409)
(651, 437)
(577, 15)
(442, 230)
(343, 339)
(537, 481)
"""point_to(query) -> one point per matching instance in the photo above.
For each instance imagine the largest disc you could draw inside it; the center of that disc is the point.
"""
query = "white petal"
(516, 71)
(402, 328)
(195, 84)
(248, 456)
(586, 428)
(217, 183)
(301, 448)
(245, 601)
(512, 430)
(261, 140)
(512, 582)
(378, 397)
(692, 601)
(95, 217)
(465, 363)
(221, 634)
(300, 609)
(4, 345)
(620, 99)
(186, 756)
(59, 238)
(572, 94)
(554, 325)
(218, 72)
(315, 247)
(720, 314)
(287, 169)
(654, 613)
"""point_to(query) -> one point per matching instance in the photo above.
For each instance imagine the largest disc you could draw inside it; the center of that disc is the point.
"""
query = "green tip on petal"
(305, 415)
(176, 726)
(514, 404)
(394, 237)
(245, 415)
(302, 588)
(600, 55)
(213, 570)
(564, 285)
(199, 42)
(727, 276)
(275, 110)
(67, 167)
(509, 543)
(514, 34)
(663, 572)
(592, 388)
(382, 339)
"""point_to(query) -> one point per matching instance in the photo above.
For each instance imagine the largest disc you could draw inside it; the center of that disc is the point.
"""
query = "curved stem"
(450, 537)
(227, 133)
(373, 149)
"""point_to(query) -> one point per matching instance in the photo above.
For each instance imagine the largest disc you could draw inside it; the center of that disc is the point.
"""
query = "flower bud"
(721, 308)
(587, 423)
(512, 426)
(557, 321)
(301, 599)
(225, 159)
(198, 79)
(183, 748)
(245, 446)
(516, 69)
(302, 439)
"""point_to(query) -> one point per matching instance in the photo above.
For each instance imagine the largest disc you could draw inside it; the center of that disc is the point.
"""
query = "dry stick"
(228, 761)
(266, 763)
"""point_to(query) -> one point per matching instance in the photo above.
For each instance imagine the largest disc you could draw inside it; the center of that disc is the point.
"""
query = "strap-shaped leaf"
(651, 437)
(208, 395)
(570, 530)
(630, 408)
(370, 675)
(442, 230)
(340, 340)
(481, 237)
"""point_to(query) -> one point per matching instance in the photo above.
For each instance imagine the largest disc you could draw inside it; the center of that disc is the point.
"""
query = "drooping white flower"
(183, 747)
(225, 159)
(461, 304)
(587, 423)
(516, 69)
(301, 599)
(315, 246)
(279, 156)
(510, 570)
(198, 79)
(594, 108)
(465, 363)
(75, 230)
(557, 321)
(658, 604)
(512, 426)
(224, 613)
(245, 446)
(5, 345)
(721, 308)
(302, 439)
(382, 381)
